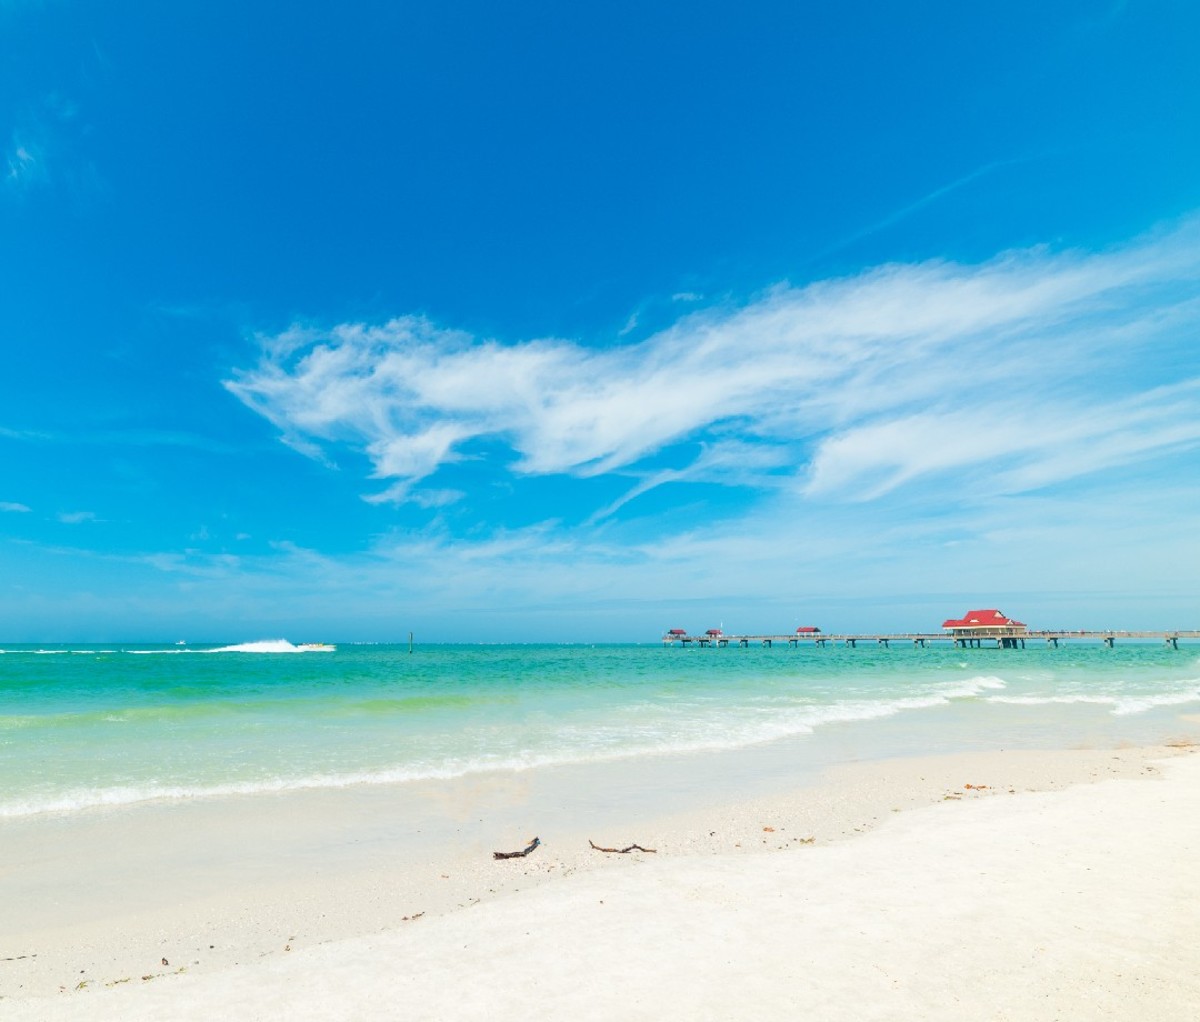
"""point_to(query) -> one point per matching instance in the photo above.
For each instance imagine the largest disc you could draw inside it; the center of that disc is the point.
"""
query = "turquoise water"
(81, 728)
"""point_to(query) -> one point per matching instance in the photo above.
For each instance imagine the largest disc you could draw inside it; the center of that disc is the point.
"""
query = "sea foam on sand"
(1077, 904)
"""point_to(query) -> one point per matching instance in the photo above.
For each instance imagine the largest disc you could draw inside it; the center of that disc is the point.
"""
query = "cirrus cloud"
(1030, 368)
(76, 517)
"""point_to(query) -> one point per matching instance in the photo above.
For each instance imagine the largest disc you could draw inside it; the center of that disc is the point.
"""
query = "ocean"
(90, 728)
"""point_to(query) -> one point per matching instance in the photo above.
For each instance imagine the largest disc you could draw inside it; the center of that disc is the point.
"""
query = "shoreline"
(223, 889)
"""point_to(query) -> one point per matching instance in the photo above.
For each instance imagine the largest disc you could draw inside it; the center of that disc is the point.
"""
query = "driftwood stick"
(518, 855)
(620, 851)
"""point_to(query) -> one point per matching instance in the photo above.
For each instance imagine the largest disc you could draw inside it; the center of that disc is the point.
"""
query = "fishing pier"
(1051, 637)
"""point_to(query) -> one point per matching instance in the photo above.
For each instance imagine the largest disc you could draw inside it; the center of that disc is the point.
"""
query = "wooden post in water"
(410, 643)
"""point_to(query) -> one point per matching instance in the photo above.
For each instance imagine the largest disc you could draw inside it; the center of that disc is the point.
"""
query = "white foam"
(1047, 700)
(1125, 707)
(1122, 706)
(971, 687)
(272, 646)
(262, 646)
(125, 796)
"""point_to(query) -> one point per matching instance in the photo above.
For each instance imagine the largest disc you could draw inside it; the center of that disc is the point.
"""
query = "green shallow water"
(121, 725)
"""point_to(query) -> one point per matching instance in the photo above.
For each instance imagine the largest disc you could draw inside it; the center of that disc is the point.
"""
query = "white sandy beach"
(918, 897)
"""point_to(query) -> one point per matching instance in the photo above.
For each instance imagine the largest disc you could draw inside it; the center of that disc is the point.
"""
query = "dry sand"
(957, 887)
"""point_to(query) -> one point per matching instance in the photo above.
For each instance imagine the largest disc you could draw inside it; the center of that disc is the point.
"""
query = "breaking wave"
(665, 734)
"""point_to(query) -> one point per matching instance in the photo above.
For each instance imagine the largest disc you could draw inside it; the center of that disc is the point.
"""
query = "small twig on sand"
(620, 851)
(518, 855)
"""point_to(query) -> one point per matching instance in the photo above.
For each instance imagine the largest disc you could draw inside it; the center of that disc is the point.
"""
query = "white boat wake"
(275, 646)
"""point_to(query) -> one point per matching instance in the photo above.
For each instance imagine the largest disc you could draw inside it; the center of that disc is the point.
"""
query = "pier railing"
(1001, 638)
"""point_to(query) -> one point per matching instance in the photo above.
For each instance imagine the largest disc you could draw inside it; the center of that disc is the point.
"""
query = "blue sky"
(542, 321)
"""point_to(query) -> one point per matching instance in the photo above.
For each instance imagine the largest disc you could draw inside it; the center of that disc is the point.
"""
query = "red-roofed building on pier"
(986, 624)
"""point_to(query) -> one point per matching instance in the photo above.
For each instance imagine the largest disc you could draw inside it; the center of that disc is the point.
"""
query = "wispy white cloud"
(25, 162)
(1020, 446)
(8, 505)
(123, 438)
(724, 462)
(44, 149)
(437, 498)
(1032, 367)
(918, 204)
(76, 517)
(24, 434)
